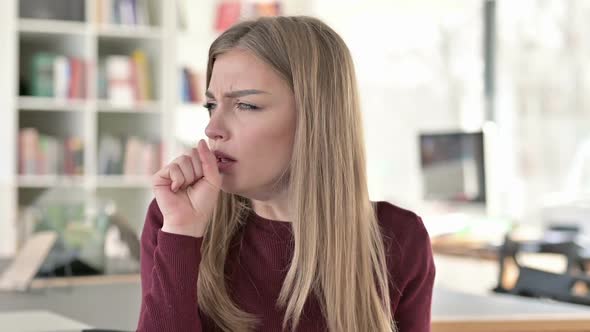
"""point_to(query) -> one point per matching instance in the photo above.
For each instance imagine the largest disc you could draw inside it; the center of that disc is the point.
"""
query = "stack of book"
(128, 156)
(46, 155)
(57, 76)
(126, 79)
(125, 12)
(190, 86)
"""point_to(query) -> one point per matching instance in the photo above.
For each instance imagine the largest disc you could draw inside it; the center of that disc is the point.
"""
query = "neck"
(275, 208)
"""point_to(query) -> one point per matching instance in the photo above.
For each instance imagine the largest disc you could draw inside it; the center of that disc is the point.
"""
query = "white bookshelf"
(88, 118)
(165, 118)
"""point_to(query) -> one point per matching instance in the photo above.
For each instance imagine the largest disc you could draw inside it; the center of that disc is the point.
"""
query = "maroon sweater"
(170, 268)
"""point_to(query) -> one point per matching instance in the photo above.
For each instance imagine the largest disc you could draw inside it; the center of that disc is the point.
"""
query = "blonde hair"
(338, 253)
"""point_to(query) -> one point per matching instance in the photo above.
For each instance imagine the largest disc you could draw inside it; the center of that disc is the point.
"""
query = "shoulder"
(400, 225)
(406, 241)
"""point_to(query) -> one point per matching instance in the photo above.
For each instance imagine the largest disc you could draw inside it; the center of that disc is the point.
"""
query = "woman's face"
(253, 120)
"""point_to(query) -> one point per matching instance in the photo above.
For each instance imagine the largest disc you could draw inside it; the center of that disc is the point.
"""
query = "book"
(61, 77)
(130, 155)
(77, 79)
(41, 154)
(42, 65)
(268, 8)
(104, 11)
(127, 78)
(75, 153)
(44, 155)
(110, 155)
(143, 12)
(228, 13)
(141, 77)
(57, 76)
(28, 148)
(125, 10)
(190, 85)
(119, 76)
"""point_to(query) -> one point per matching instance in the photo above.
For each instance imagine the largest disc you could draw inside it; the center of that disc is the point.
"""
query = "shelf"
(26, 103)
(39, 26)
(45, 181)
(145, 107)
(123, 181)
(128, 31)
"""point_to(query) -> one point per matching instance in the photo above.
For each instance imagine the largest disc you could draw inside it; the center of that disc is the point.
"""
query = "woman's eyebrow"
(237, 93)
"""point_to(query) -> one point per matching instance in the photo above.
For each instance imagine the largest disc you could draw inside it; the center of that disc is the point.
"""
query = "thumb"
(209, 163)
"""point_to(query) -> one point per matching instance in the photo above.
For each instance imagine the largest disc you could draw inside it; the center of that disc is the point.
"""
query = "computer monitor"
(452, 165)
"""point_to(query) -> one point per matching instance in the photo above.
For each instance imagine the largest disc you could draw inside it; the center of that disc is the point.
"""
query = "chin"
(229, 188)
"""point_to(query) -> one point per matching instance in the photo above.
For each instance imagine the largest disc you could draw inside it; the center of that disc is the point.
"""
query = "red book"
(75, 78)
(228, 13)
(83, 77)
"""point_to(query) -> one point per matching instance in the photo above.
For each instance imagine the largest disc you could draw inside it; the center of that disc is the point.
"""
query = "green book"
(42, 74)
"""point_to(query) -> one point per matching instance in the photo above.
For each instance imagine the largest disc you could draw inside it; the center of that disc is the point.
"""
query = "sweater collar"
(273, 227)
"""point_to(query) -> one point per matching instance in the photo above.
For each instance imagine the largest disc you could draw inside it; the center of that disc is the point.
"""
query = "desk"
(116, 306)
(462, 312)
(38, 321)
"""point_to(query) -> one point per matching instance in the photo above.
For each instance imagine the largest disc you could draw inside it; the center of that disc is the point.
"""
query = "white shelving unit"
(88, 118)
(165, 118)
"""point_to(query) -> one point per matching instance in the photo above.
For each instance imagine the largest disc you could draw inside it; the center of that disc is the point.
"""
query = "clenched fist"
(187, 190)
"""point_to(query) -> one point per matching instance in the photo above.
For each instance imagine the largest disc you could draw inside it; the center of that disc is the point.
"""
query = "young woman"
(272, 228)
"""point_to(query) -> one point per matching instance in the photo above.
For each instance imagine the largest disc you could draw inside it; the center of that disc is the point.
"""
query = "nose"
(216, 129)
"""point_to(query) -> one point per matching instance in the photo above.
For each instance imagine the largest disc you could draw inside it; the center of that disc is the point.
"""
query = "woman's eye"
(244, 106)
(209, 107)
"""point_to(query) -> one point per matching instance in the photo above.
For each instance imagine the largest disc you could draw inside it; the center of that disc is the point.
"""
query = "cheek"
(268, 146)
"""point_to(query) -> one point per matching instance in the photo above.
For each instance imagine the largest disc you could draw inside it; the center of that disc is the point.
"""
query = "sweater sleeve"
(169, 270)
(414, 310)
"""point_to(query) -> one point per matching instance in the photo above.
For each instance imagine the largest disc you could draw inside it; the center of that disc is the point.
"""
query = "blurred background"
(476, 116)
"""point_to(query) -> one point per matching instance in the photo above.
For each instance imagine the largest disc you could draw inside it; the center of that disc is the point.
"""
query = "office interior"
(476, 117)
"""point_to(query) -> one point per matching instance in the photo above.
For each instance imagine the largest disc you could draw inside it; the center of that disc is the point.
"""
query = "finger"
(209, 163)
(186, 166)
(162, 177)
(194, 153)
(176, 176)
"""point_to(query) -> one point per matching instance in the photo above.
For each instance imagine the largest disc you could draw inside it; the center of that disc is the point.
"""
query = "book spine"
(76, 78)
(61, 77)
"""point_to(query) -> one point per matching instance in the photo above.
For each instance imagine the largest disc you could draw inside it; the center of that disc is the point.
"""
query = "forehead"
(238, 69)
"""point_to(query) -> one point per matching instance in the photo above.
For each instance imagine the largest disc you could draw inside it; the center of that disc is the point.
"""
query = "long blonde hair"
(338, 247)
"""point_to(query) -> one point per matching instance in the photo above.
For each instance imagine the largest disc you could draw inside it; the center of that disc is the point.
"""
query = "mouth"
(223, 157)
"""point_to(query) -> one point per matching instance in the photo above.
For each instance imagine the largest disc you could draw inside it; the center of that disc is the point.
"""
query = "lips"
(223, 157)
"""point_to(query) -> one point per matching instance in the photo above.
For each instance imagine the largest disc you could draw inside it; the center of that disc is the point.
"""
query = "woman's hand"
(187, 190)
